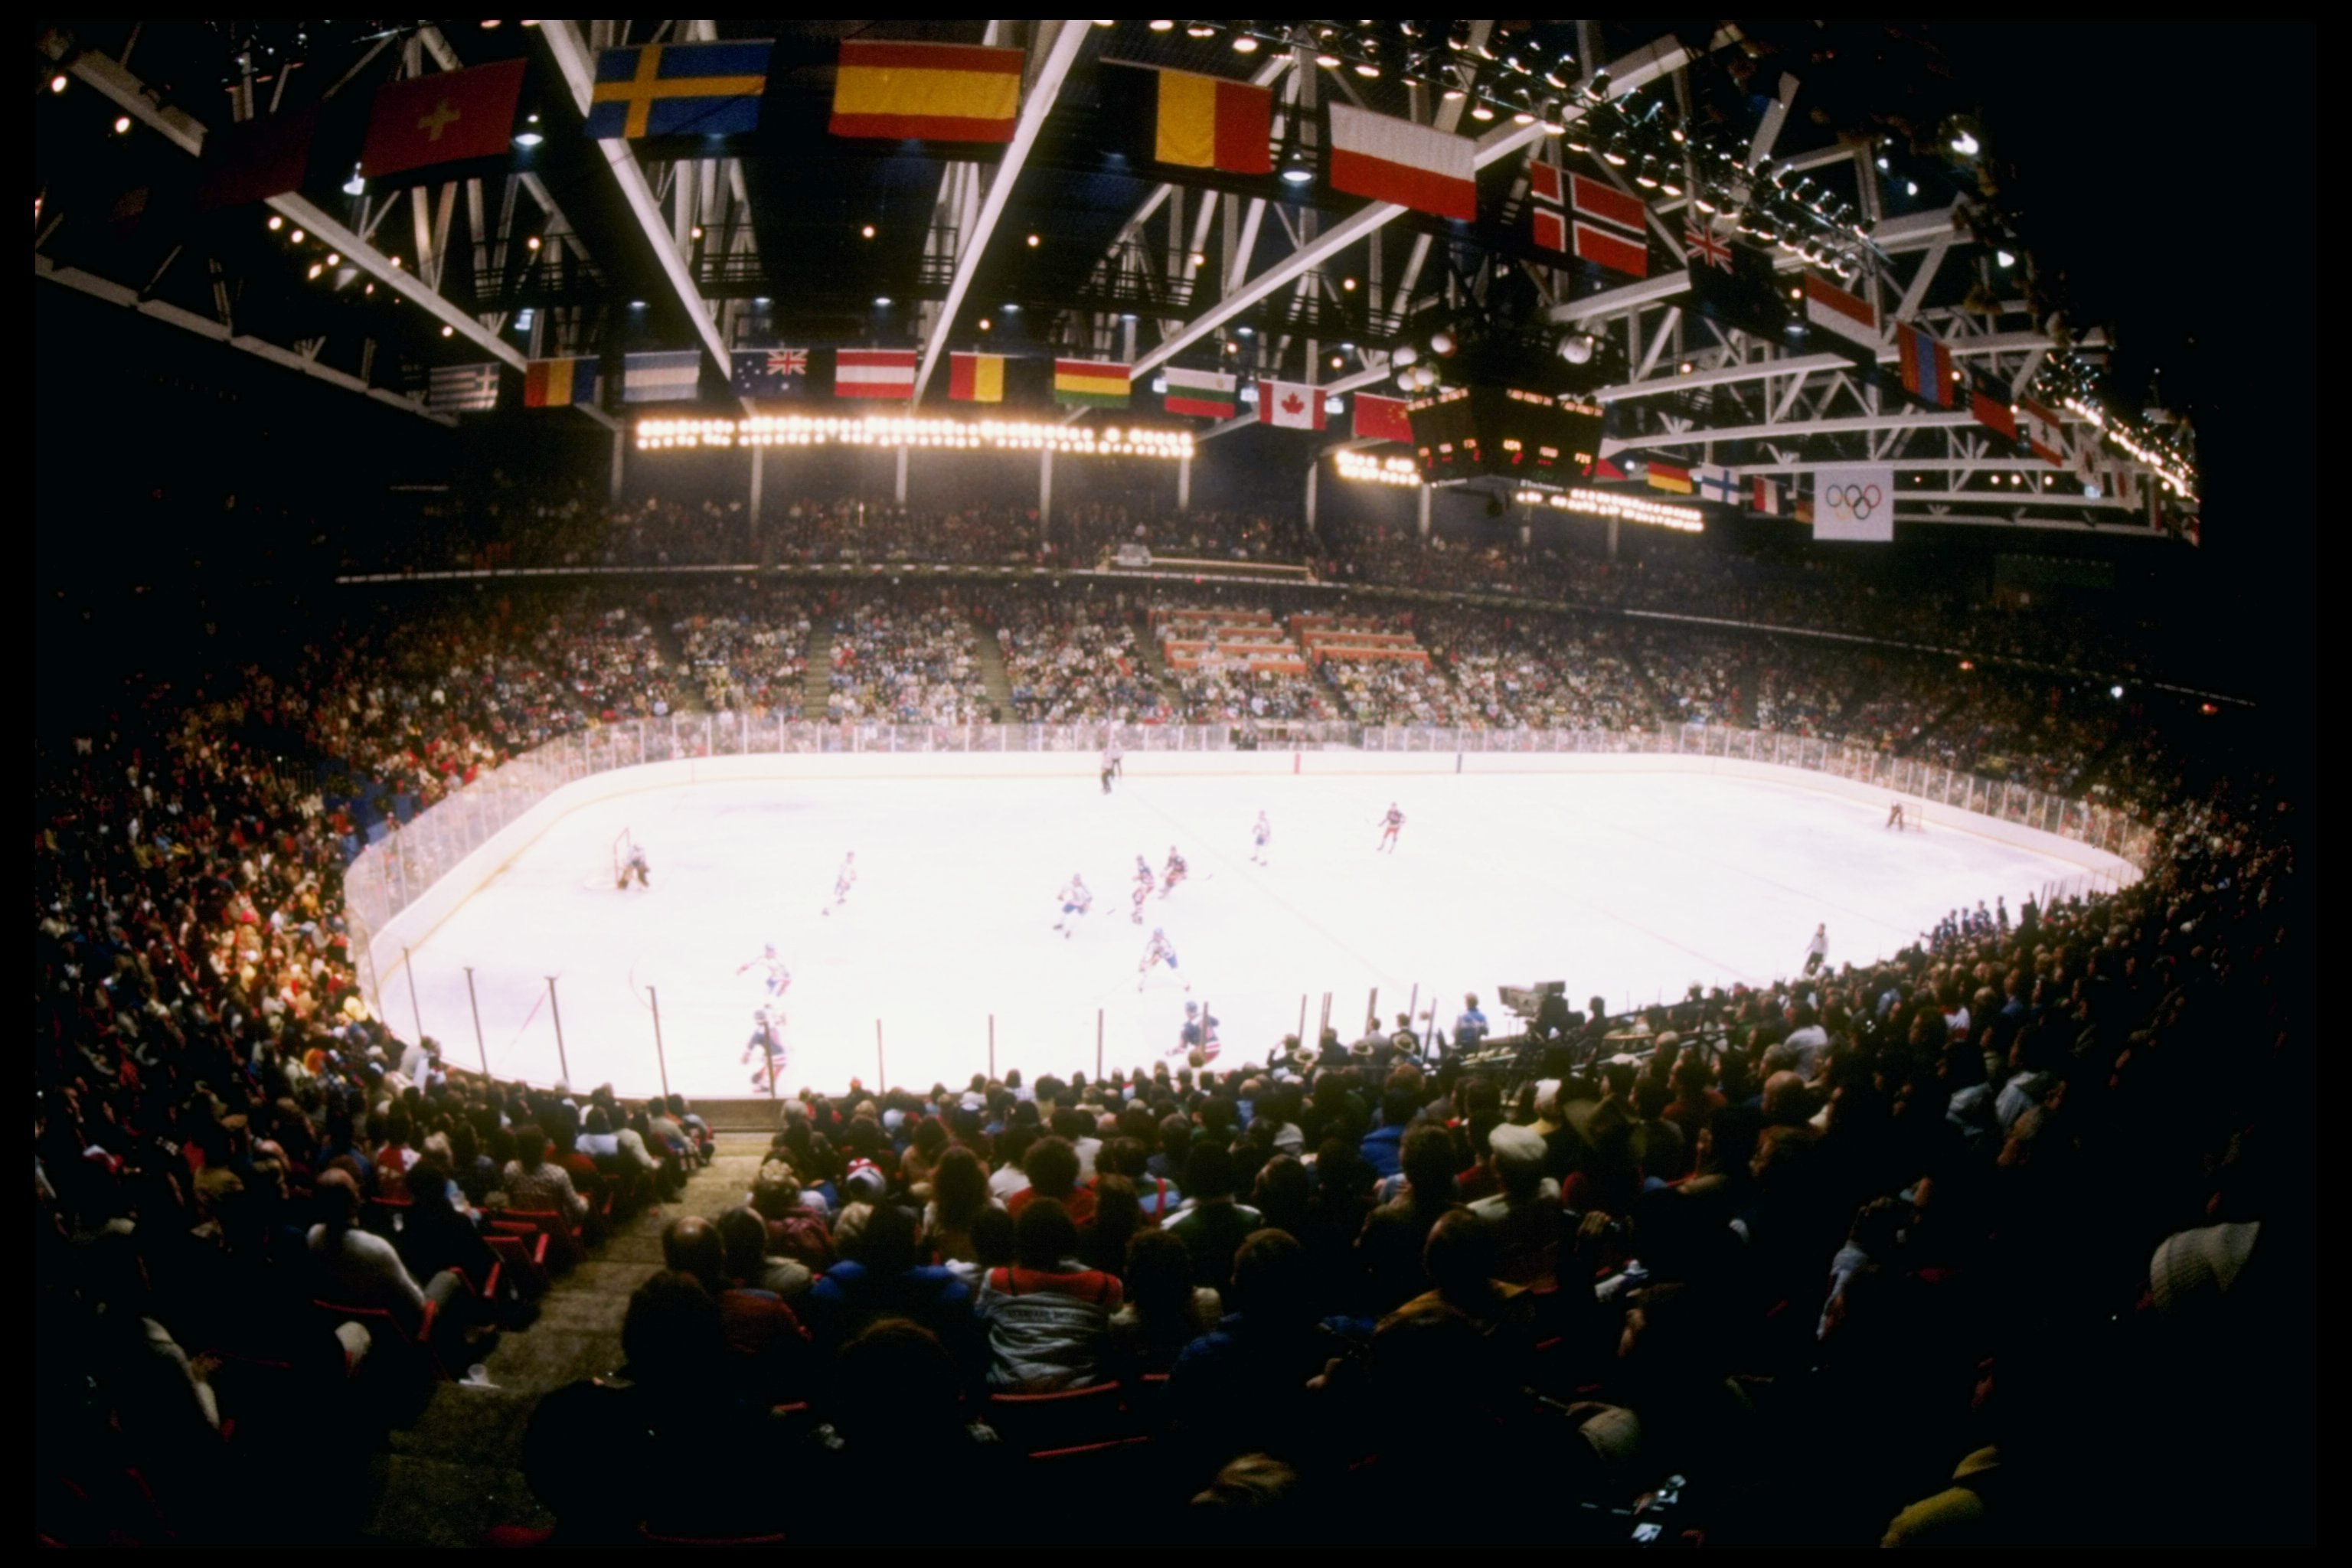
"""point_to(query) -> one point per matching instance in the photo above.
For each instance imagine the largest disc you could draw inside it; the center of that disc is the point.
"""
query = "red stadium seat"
(1036, 1423)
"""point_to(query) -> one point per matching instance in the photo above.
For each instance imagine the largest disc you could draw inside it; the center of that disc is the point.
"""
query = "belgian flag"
(1192, 121)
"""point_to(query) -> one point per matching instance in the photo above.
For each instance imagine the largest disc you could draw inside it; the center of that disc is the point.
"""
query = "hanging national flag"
(1382, 419)
(1667, 477)
(1706, 249)
(665, 377)
(1992, 412)
(1392, 160)
(463, 388)
(1548, 223)
(1198, 394)
(1850, 316)
(559, 383)
(975, 378)
(1090, 384)
(874, 372)
(255, 161)
(1716, 484)
(1764, 495)
(925, 92)
(2043, 435)
(1603, 469)
(1805, 511)
(1746, 295)
(1291, 405)
(678, 89)
(1195, 122)
(443, 117)
(1926, 364)
(1543, 182)
(768, 372)
(1611, 228)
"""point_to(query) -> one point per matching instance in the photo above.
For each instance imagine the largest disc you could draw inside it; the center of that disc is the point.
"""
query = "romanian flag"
(1202, 393)
(1090, 384)
(559, 383)
(678, 89)
(1202, 122)
(927, 92)
(976, 378)
(1666, 477)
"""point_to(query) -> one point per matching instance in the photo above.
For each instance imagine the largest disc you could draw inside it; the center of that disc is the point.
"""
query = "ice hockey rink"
(1634, 885)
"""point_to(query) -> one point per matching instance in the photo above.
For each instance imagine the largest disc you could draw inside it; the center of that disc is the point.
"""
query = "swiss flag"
(1292, 404)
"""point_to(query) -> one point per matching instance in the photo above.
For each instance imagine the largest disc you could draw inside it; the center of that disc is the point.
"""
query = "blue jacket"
(1382, 1150)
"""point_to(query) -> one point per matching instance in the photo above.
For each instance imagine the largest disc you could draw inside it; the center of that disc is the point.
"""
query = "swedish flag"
(678, 89)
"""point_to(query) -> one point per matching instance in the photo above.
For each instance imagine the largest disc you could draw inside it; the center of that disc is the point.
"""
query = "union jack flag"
(788, 362)
(769, 373)
(1706, 248)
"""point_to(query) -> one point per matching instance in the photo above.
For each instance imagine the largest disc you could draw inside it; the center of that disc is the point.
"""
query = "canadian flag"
(1292, 404)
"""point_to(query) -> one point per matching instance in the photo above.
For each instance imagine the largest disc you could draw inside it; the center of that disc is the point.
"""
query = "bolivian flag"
(1090, 384)
(930, 92)
(976, 378)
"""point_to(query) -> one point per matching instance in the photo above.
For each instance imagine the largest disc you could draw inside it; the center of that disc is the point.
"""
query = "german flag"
(975, 378)
(1090, 384)
(925, 92)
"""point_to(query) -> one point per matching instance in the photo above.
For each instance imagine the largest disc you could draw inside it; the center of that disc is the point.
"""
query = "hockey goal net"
(621, 844)
(1914, 815)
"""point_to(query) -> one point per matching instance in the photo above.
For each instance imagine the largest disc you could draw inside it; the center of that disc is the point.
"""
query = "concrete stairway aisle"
(989, 655)
(457, 1470)
(816, 680)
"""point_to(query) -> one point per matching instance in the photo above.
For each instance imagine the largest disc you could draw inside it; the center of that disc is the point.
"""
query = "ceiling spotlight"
(2116, 693)
(1646, 176)
(984, 324)
(448, 332)
(297, 237)
(881, 302)
(694, 233)
(1200, 30)
(275, 223)
(316, 267)
(1523, 117)
(1576, 348)
(2004, 258)
(1910, 187)
(636, 304)
(1336, 362)
(761, 301)
(1010, 311)
(1328, 62)
(1160, 26)
(57, 82)
(530, 135)
(357, 185)
(533, 242)
(1244, 44)
(1441, 342)
(1965, 145)
(1198, 259)
(1366, 69)
(1035, 242)
(1335, 404)
(1295, 170)
(1481, 112)
(1453, 95)
(1348, 284)
(333, 260)
(1247, 332)
(122, 125)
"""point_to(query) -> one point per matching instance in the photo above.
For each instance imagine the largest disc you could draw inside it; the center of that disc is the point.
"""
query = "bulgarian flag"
(1202, 393)
(1090, 384)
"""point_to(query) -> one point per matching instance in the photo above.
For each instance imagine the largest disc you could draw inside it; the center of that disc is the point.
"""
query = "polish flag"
(1392, 160)
(1291, 405)
(1847, 315)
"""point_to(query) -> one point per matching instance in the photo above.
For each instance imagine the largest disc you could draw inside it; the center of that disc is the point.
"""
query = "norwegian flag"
(1609, 227)
(1705, 248)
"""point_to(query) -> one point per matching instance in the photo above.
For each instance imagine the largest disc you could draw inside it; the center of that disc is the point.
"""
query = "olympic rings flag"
(1857, 502)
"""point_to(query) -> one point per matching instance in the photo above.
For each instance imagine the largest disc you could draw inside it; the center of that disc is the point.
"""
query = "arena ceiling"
(1844, 151)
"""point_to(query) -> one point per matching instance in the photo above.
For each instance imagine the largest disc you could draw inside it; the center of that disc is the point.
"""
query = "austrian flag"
(1290, 405)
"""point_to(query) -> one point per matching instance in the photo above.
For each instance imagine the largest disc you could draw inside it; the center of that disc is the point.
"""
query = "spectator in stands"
(1212, 1225)
(958, 1193)
(358, 1270)
(532, 1185)
(1525, 1213)
(889, 1277)
(764, 1337)
(1242, 1388)
(1164, 1311)
(895, 1411)
(1052, 1167)
(1046, 1315)
(750, 1266)
(1395, 1233)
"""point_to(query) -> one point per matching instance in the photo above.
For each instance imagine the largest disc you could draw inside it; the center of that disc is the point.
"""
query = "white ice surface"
(1634, 886)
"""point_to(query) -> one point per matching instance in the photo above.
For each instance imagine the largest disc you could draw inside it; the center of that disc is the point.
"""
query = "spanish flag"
(1196, 121)
(1090, 384)
(928, 92)
(976, 378)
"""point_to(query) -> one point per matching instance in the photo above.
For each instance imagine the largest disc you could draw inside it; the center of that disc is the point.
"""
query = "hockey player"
(1144, 883)
(765, 1050)
(1199, 1034)
(1389, 826)
(634, 866)
(1159, 950)
(1261, 834)
(1895, 816)
(1076, 899)
(772, 969)
(1173, 874)
(1817, 951)
(842, 882)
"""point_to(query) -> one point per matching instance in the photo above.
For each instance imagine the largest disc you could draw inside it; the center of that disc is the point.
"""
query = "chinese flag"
(443, 117)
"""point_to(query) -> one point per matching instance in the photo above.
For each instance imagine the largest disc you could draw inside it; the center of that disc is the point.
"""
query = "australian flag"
(764, 373)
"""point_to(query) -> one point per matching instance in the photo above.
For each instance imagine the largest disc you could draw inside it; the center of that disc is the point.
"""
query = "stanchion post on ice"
(1098, 1039)
(1413, 1007)
(1323, 1023)
(991, 1046)
(555, 1011)
(881, 1074)
(1372, 1010)
(661, 1056)
(474, 1002)
(409, 964)
(1302, 1018)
